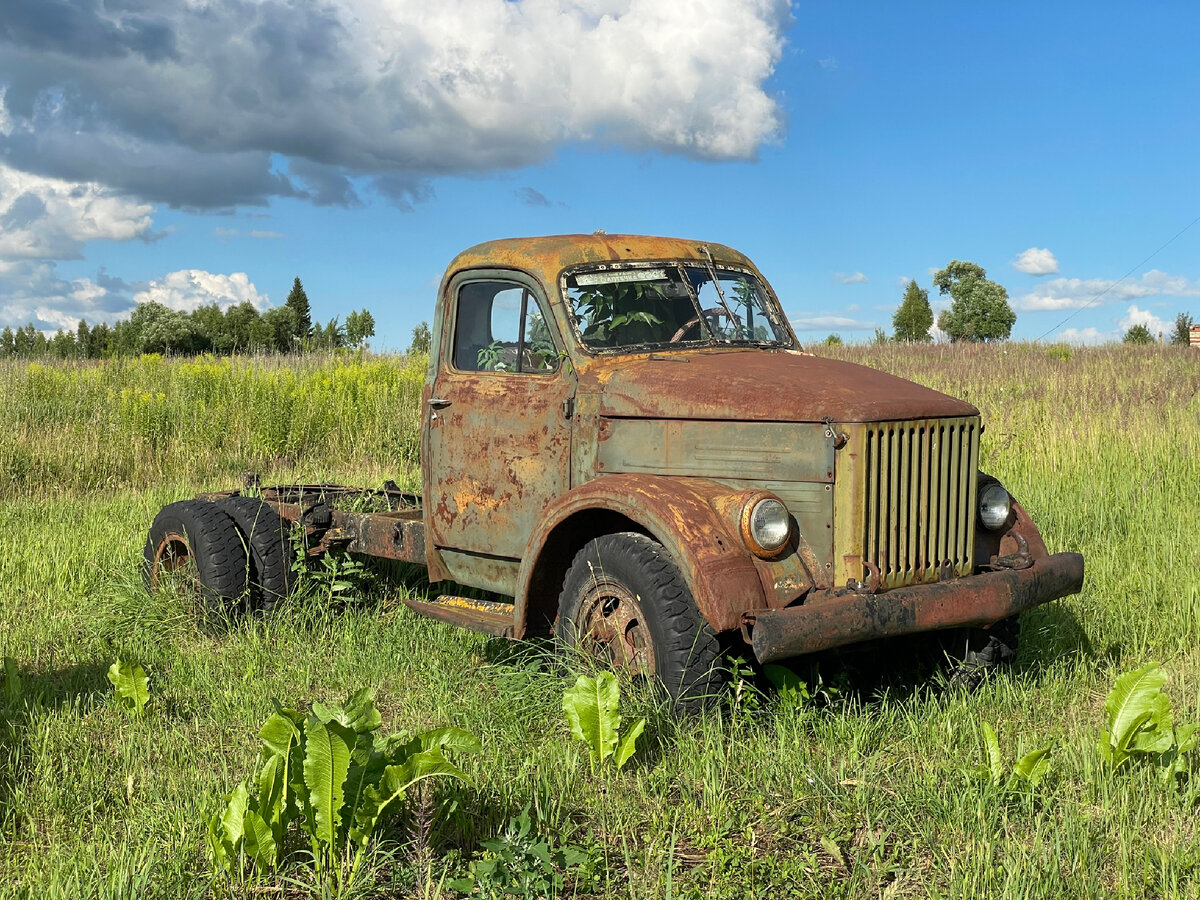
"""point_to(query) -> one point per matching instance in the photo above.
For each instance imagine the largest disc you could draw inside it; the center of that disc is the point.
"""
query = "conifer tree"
(914, 317)
(297, 301)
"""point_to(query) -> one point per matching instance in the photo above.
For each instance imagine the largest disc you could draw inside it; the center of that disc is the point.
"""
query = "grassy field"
(869, 789)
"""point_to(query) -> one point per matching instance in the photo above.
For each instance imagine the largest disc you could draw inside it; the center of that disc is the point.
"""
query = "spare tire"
(267, 537)
(196, 539)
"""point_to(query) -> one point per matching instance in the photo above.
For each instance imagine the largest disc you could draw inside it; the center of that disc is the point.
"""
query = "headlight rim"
(747, 519)
(986, 484)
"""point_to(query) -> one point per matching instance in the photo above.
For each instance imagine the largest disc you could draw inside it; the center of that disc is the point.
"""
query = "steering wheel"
(711, 313)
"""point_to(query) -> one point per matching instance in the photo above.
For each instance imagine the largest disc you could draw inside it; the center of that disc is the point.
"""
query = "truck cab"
(623, 441)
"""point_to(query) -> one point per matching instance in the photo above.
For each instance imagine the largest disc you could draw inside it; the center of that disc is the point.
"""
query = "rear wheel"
(625, 603)
(266, 534)
(194, 540)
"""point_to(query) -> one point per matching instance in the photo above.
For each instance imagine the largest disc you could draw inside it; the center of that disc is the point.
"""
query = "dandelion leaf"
(259, 841)
(1129, 706)
(628, 743)
(1032, 767)
(326, 764)
(591, 707)
(131, 684)
(995, 763)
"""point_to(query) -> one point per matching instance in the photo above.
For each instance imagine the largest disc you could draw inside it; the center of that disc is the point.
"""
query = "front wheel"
(625, 603)
(973, 652)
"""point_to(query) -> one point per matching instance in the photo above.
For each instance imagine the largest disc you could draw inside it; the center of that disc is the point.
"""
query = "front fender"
(679, 513)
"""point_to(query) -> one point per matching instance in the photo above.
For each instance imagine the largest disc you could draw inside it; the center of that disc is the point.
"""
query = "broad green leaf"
(1186, 737)
(131, 684)
(995, 759)
(392, 785)
(1130, 705)
(234, 815)
(833, 850)
(1033, 766)
(326, 763)
(272, 802)
(327, 714)
(449, 738)
(360, 712)
(628, 743)
(282, 740)
(361, 777)
(259, 841)
(1157, 734)
(398, 749)
(280, 732)
(591, 707)
(218, 850)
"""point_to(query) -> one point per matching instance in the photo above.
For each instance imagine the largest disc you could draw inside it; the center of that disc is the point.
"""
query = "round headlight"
(994, 505)
(766, 526)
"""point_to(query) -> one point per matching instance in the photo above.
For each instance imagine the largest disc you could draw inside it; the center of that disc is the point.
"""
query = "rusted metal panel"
(848, 617)
(398, 536)
(757, 385)
(488, 616)
(748, 451)
(547, 256)
(498, 454)
(677, 512)
(811, 505)
(482, 570)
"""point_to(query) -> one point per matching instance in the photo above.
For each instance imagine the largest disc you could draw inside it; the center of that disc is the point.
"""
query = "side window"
(500, 327)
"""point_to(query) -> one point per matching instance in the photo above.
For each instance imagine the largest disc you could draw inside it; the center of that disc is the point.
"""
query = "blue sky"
(150, 152)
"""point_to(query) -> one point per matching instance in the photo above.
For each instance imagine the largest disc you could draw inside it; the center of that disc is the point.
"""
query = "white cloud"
(1134, 316)
(189, 289)
(226, 233)
(1083, 336)
(1036, 262)
(194, 104)
(1076, 293)
(824, 323)
(856, 278)
(48, 218)
(32, 291)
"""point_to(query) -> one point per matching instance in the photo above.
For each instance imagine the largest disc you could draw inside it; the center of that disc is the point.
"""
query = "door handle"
(438, 402)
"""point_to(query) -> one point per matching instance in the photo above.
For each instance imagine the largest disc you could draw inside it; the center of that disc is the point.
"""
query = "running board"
(488, 616)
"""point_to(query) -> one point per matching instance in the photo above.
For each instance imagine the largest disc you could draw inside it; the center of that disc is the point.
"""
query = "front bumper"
(835, 619)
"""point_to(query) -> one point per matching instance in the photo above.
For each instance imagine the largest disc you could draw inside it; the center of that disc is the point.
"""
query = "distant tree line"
(154, 328)
(1181, 334)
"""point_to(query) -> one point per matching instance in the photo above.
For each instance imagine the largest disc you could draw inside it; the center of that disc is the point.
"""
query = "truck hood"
(759, 385)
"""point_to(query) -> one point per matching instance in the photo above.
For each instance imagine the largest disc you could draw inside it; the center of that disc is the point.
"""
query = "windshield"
(672, 303)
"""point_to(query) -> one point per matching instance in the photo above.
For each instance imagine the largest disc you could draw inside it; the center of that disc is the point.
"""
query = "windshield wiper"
(712, 273)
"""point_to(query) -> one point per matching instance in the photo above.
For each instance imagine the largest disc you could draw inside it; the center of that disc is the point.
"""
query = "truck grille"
(920, 498)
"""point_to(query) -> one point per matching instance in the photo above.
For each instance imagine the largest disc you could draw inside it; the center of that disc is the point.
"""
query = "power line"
(1119, 280)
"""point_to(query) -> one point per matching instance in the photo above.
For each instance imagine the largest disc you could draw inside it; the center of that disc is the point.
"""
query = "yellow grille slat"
(920, 498)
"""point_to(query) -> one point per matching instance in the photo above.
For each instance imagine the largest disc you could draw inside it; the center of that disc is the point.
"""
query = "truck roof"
(550, 254)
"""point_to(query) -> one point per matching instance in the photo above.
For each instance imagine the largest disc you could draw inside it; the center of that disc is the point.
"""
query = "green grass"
(869, 792)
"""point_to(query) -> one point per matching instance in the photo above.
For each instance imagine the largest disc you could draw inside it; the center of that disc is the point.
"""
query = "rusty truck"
(624, 446)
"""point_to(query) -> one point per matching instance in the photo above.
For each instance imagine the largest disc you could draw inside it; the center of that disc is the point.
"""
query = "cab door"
(499, 434)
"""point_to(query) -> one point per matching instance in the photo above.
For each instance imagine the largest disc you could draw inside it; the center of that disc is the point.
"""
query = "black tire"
(267, 537)
(974, 652)
(625, 602)
(197, 539)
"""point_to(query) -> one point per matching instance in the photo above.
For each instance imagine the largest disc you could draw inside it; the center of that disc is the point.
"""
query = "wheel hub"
(613, 627)
(173, 558)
